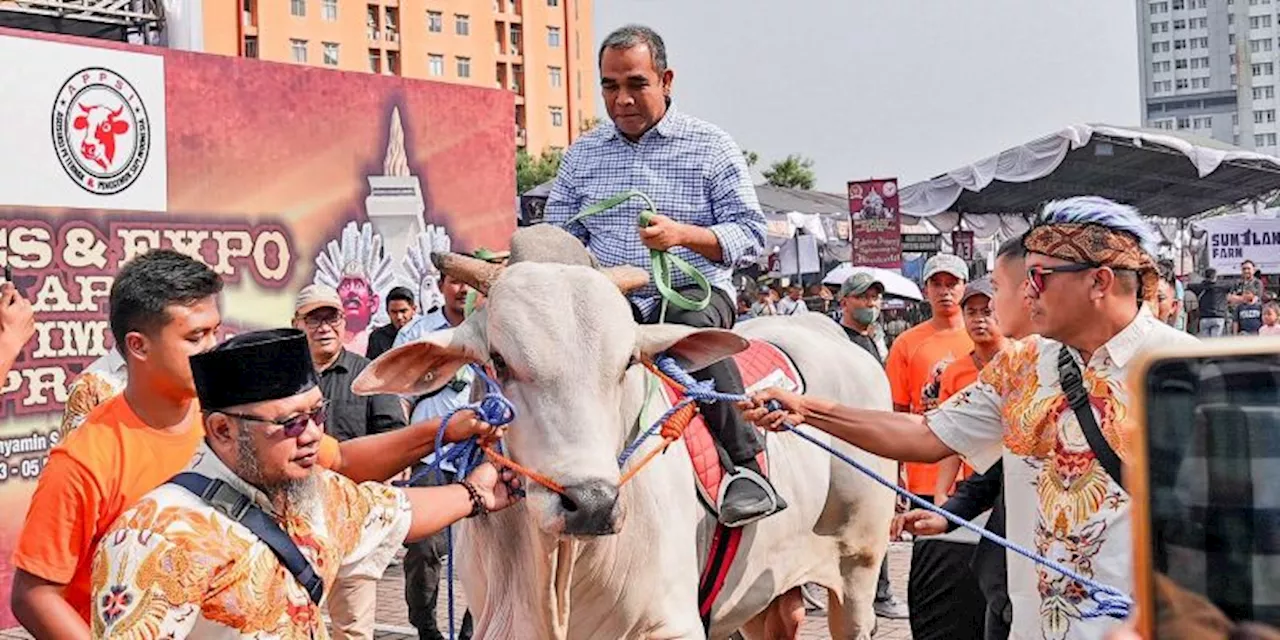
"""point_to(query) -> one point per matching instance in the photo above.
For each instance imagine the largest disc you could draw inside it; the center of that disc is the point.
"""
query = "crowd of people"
(193, 472)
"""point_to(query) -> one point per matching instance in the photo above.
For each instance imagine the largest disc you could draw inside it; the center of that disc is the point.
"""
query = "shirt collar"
(208, 464)
(341, 365)
(1123, 346)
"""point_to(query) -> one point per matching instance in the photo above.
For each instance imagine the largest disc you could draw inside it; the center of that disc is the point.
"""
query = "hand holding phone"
(17, 318)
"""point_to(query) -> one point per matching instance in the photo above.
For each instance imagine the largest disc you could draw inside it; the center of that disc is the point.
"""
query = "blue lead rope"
(1111, 601)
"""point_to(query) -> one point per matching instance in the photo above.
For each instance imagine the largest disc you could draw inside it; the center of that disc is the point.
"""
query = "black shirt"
(1249, 317)
(865, 342)
(350, 415)
(380, 341)
(1213, 298)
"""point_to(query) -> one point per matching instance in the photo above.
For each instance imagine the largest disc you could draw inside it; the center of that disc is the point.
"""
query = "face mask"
(865, 315)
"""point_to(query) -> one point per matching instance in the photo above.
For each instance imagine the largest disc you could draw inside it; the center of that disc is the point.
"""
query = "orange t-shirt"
(914, 367)
(95, 474)
(957, 376)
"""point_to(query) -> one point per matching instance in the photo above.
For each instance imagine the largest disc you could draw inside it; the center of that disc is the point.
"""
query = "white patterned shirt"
(1061, 503)
(694, 173)
(173, 567)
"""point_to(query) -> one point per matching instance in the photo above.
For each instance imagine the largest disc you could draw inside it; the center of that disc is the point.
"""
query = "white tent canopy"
(895, 284)
(1161, 172)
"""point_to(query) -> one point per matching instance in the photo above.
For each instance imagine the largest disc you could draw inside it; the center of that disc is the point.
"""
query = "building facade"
(542, 51)
(1209, 67)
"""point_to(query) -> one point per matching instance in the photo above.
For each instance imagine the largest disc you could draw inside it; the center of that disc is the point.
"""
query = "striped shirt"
(695, 174)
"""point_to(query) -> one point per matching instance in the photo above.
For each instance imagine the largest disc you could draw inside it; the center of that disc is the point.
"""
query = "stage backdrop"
(274, 175)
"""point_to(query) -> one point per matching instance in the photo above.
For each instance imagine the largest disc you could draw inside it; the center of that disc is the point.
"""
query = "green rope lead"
(662, 261)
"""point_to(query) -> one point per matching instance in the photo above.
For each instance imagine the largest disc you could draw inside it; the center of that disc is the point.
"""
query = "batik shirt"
(172, 567)
(102, 379)
(1061, 502)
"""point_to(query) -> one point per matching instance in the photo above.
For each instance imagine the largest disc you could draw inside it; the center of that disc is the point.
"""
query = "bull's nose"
(590, 508)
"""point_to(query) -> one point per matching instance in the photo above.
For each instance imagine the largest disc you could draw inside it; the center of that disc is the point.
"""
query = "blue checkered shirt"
(695, 174)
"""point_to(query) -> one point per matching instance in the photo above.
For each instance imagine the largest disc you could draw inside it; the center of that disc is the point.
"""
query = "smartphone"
(1204, 476)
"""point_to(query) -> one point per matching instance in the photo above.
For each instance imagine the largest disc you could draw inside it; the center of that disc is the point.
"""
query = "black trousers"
(943, 595)
(422, 568)
(736, 438)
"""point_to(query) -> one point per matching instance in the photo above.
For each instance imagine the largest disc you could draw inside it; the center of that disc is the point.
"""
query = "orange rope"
(672, 429)
(522, 470)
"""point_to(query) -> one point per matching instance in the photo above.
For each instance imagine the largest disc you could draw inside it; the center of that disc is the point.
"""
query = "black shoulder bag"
(1072, 382)
(239, 507)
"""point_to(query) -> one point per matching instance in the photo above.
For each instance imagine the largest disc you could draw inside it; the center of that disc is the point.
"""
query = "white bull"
(598, 563)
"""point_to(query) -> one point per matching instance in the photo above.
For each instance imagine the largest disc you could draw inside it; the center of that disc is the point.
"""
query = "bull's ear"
(693, 348)
(425, 365)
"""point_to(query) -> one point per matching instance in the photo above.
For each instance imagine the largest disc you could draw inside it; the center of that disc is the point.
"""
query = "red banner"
(962, 244)
(877, 228)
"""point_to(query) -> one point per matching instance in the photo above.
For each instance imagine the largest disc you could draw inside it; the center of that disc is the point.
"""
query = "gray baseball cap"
(979, 287)
(857, 284)
(946, 263)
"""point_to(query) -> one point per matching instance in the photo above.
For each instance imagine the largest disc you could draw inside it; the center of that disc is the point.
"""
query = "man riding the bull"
(707, 214)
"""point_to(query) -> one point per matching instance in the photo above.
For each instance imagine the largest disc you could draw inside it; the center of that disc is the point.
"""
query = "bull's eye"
(500, 367)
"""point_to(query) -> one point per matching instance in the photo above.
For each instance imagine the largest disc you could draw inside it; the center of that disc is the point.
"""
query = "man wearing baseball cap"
(860, 298)
(915, 366)
(319, 314)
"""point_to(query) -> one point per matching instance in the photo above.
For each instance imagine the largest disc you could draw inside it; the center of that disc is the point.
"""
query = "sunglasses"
(1036, 275)
(293, 427)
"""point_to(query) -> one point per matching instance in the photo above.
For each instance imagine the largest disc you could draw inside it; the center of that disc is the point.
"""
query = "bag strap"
(237, 506)
(1072, 382)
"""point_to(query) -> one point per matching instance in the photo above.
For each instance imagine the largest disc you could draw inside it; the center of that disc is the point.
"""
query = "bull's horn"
(627, 278)
(476, 273)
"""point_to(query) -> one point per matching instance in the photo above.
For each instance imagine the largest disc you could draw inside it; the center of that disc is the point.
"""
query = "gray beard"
(290, 496)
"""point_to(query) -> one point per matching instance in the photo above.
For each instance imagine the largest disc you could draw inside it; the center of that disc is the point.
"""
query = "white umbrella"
(895, 284)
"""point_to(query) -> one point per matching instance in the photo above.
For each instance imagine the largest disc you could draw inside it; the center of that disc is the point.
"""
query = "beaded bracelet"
(478, 507)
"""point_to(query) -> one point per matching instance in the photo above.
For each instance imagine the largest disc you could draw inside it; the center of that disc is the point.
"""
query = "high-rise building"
(1209, 67)
(540, 50)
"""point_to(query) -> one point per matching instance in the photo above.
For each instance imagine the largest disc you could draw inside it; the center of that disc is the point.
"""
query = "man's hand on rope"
(663, 233)
(919, 522)
(756, 411)
(498, 489)
(465, 424)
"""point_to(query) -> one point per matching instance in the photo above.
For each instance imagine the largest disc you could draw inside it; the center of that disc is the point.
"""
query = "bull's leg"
(851, 615)
(780, 621)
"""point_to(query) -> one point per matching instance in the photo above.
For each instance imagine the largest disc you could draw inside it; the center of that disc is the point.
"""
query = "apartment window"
(435, 64)
(462, 25)
(1184, 123)
(1202, 123)
(1256, 46)
(1181, 83)
(1179, 25)
(330, 53)
(1156, 27)
(1264, 115)
(298, 8)
(435, 21)
(1162, 124)
(1199, 4)
(556, 79)
(329, 10)
(1264, 93)
(299, 49)
(1199, 23)
(393, 63)
(392, 22)
(557, 117)
(1177, 4)
(1231, 18)
(251, 46)
(1263, 68)
(1160, 47)
(1235, 119)
(1199, 83)
(464, 67)
(1180, 63)
(1264, 140)
(1260, 22)
(1159, 7)
(375, 61)
(553, 36)
(1179, 44)
(516, 39)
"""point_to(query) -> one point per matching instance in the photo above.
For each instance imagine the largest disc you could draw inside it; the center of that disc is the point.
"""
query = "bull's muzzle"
(591, 508)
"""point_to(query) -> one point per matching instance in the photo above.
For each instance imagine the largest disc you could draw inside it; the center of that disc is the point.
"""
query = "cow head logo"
(101, 132)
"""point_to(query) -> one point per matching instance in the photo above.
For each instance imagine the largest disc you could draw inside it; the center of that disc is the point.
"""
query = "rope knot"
(673, 427)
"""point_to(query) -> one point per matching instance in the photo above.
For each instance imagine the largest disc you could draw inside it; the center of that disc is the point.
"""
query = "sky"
(892, 88)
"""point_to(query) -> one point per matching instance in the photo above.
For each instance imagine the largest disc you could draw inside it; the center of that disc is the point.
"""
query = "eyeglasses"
(293, 427)
(315, 322)
(1036, 275)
